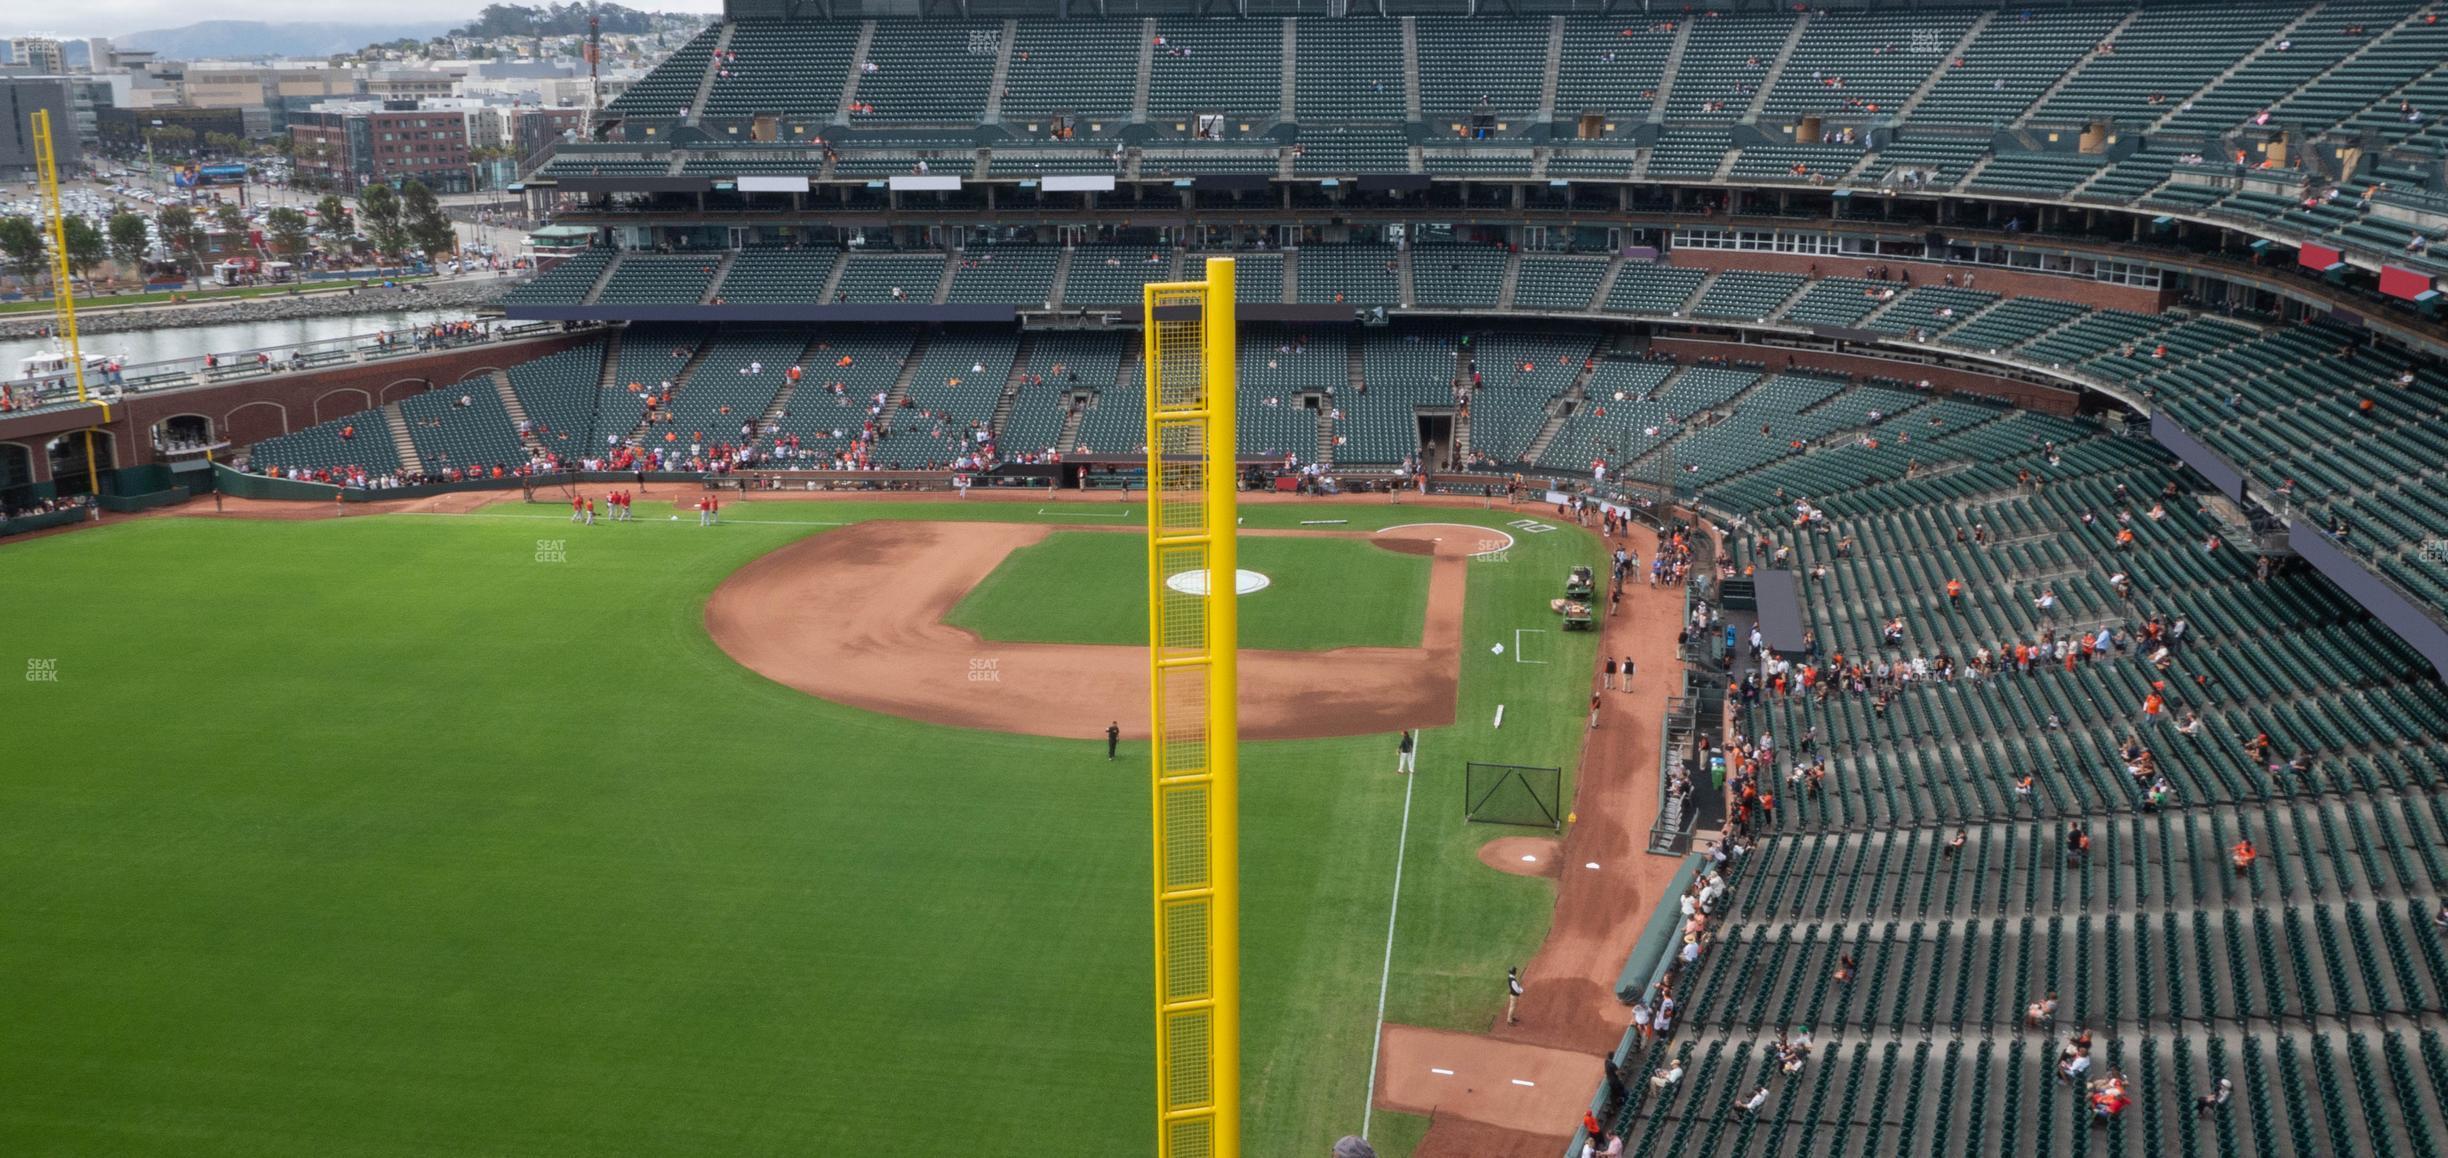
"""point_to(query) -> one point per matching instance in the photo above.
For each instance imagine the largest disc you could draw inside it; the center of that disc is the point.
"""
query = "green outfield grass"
(1091, 587)
(383, 836)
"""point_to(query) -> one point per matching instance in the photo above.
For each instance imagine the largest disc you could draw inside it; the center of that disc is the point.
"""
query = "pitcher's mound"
(1529, 856)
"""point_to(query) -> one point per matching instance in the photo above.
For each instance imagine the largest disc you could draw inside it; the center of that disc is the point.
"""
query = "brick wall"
(251, 410)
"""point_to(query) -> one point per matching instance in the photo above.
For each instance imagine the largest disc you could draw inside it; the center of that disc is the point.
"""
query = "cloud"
(117, 17)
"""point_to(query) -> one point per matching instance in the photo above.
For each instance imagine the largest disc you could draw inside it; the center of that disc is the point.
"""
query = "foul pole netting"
(1192, 633)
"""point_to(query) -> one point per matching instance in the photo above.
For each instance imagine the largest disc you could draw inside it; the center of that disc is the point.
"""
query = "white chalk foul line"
(1126, 513)
(1518, 632)
(1435, 1070)
(1519, 1082)
(1385, 973)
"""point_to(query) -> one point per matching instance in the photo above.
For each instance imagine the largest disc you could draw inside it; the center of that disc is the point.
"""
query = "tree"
(22, 240)
(86, 245)
(289, 235)
(129, 241)
(334, 215)
(378, 213)
(429, 229)
(184, 237)
(225, 144)
(229, 217)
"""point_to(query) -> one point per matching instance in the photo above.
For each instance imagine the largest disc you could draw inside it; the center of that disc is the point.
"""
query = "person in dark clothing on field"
(1113, 738)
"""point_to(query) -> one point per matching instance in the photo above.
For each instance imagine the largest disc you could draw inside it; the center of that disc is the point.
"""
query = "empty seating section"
(1689, 152)
(2311, 48)
(1769, 424)
(784, 68)
(1610, 163)
(1745, 295)
(731, 385)
(1179, 158)
(1478, 161)
(1462, 61)
(1813, 163)
(1113, 275)
(1084, 67)
(2092, 333)
(668, 90)
(1838, 301)
(357, 441)
(1278, 366)
(1932, 161)
(2168, 52)
(2011, 323)
(1557, 283)
(1457, 275)
(1611, 66)
(1023, 160)
(1521, 377)
(1643, 288)
(1724, 63)
(2127, 180)
(1357, 274)
(463, 427)
(1621, 421)
(770, 274)
(564, 395)
(958, 381)
(1347, 70)
(2013, 60)
(872, 277)
(565, 284)
(933, 71)
(2043, 173)
(606, 164)
(1116, 423)
(1020, 275)
(650, 280)
(1344, 150)
(1405, 372)
(1863, 62)
(1069, 365)
(2339, 96)
(1257, 277)
(1233, 68)
(2285, 408)
(1929, 309)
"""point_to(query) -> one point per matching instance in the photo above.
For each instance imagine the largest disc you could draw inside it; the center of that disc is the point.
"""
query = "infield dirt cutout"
(855, 615)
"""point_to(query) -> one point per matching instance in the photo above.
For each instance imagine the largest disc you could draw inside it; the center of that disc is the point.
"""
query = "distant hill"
(251, 38)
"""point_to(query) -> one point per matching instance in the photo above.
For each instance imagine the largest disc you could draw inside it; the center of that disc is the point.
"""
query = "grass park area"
(389, 835)
(1091, 587)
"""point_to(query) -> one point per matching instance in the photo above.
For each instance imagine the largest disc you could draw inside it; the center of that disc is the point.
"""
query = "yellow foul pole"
(63, 297)
(1193, 632)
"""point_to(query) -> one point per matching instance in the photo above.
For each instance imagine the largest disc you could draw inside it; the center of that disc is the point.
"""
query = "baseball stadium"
(1525, 581)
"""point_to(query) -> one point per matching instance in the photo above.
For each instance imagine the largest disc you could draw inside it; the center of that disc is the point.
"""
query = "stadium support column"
(1194, 749)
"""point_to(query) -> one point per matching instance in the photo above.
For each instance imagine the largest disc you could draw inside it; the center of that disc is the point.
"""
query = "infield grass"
(1091, 587)
(385, 836)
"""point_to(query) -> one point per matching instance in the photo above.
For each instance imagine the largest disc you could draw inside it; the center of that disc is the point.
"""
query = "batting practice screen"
(1513, 794)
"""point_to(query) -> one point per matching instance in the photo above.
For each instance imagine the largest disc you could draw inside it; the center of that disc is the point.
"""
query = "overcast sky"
(111, 17)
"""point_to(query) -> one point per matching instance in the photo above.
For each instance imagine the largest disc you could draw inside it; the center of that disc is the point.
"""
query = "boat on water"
(52, 370)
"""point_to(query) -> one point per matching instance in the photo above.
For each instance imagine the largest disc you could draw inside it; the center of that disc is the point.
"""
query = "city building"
(38, 53)
(20, 96)
(350, 144)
